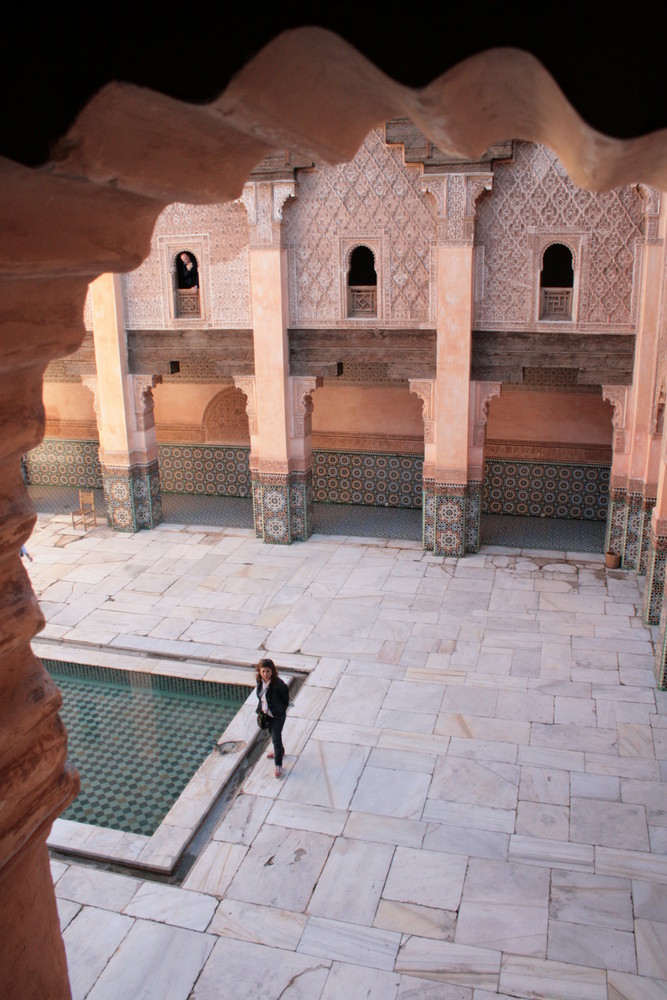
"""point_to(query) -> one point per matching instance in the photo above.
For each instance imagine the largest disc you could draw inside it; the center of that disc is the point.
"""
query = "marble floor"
(473, 804)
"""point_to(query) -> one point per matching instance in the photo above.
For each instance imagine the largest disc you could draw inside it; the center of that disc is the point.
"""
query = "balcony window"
(557, 283)
(187, 301)
(362, 284)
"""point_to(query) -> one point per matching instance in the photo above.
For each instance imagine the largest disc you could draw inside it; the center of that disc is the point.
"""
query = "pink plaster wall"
(68, 401)
(363, 410)
(573, 418)
(182, 403)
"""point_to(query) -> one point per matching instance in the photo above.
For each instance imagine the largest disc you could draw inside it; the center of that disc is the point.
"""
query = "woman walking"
(273, 695)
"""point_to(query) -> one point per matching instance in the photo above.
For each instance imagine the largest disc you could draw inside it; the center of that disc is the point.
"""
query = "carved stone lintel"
(246, 383)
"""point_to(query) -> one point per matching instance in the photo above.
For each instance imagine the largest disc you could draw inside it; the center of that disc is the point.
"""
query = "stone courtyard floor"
(473, 803)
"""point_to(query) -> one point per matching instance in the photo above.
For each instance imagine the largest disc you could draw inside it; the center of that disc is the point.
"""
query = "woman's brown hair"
(271, 666)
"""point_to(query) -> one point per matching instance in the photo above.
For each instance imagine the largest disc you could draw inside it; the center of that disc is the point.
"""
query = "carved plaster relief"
(533, 195)
(377, 195)
(484, 393)
(225, 419)
(618, 396)
(425, 389)
(246, 383)
(144, 405)
(264, 202)
(302, 404)
(225, 277)
(90, 382)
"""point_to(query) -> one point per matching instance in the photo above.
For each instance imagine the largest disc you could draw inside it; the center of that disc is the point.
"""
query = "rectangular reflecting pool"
(137, 739)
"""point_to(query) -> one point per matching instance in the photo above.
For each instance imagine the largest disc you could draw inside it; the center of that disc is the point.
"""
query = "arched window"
(556, 283)
(362, 282)
(187, 301)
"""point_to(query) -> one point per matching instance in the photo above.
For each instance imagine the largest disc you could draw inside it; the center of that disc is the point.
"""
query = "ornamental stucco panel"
(374, 198)
(220, 233)
(533, 203)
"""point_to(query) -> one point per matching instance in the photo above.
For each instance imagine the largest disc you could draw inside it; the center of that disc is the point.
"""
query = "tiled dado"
(628, 528)
(655, 579)
(283, 507)
(368, 478)
(57, 462)
(546, 489)
(132, 496)
(216, 470)
(473, 515)
(445, 524)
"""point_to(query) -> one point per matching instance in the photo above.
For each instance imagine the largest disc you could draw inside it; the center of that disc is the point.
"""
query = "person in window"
(273, 697)
(186, 269)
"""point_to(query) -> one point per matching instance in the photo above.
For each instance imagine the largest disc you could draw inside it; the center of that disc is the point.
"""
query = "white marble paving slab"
(154, 961)
(385, 829)
(429, 878)
(552, 853)
(355, 700)
(469, 815)
(412, 918)
(351, 882)
(598, 947)
(623, 986)
(494, 785)
(477, 727)
(504, 907)
(523, 976)
(67, 910)
(651, 956)
(339, 732)
(326, 774)
(90, 941)
(467, 841)
(449, 963)
(171, 905)
(346, 942)
(281, 868)
(650, 901)
(92, 887)
(215, 868)
(609, 824)
(388, 792)
(265, 925)
(356, 983)
(300, 816)
(243, 970)
(243, 819)
(631, 864)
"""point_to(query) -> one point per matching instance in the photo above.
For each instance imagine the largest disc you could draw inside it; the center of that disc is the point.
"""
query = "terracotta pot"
(612, 560)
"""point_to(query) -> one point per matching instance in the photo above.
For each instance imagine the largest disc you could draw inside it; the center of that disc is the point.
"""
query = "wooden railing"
(362, 300)
(556, 303)
(187, 302)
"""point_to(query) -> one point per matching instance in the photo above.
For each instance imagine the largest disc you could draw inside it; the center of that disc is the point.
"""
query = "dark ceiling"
(611, 68)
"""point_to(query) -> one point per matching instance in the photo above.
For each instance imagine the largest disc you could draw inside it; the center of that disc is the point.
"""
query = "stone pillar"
(281, 458)
(481, 394)
(124, 409)
(446, 491)
(636, 448)
(39, 320)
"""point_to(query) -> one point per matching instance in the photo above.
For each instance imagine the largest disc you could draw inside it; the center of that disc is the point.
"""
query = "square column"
(124, 410)
(452, 507)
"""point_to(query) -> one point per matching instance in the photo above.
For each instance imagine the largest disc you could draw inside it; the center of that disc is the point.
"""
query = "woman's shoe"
(271, 755)
(279, 772)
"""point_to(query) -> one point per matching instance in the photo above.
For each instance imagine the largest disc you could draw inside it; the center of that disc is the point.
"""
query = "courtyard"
(472, 804)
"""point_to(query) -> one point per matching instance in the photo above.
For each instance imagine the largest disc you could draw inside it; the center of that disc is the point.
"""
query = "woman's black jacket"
(277, 696)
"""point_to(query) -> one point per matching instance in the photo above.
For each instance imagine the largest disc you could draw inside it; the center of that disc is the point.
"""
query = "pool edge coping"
(162, 851)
